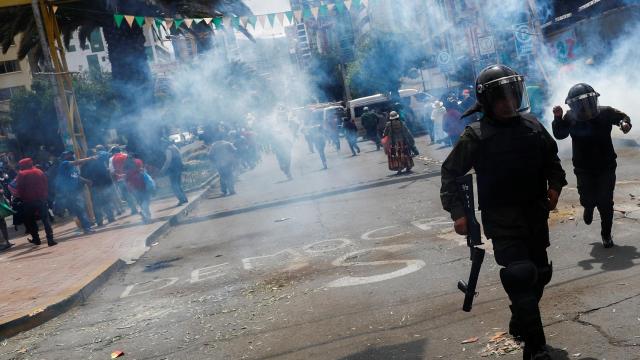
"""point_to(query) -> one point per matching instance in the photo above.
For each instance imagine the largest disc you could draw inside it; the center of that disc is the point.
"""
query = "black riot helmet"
(583, 101)
(501, 92)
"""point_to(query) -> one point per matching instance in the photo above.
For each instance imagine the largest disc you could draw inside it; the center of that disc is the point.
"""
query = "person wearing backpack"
(139, 184)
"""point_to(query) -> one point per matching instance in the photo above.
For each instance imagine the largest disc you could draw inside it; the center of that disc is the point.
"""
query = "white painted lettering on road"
(430, 223)
(207, 273)
(327, 246)
(296, 260)
(148, 286)
(410, 267)
(368, 236)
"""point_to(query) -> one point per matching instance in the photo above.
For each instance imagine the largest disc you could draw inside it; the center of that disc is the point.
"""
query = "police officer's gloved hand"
(625, 127)
(460, 226)
(557, 112)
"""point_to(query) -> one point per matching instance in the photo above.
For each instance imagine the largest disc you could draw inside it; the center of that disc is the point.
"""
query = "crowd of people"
(113, 180)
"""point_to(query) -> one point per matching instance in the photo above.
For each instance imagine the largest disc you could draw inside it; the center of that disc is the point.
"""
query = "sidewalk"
(39, 282)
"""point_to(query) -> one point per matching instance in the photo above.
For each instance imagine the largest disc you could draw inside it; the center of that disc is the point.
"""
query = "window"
(95, 39)
(94, 65)
(9, 66)
(7, 93)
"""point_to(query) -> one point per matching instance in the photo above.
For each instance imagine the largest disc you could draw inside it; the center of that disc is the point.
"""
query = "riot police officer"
(519, 180)
(594, 159)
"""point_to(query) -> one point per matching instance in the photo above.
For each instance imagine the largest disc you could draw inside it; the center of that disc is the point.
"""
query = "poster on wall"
(564, 47)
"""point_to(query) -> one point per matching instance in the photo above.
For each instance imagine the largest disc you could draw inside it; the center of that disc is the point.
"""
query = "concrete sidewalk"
(40, 282)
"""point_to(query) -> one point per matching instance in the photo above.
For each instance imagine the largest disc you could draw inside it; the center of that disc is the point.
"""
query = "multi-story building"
(15, 75)
(94, 58)
(583, 29)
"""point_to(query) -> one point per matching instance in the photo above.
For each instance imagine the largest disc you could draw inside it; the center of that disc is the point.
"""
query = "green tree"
(381, 62)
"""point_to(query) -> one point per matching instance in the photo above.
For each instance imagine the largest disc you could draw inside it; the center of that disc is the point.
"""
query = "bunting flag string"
(305, 14)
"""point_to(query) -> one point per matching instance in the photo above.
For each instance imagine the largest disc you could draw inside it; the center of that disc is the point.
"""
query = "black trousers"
(33, 210)
(596, 191)
(512, 253)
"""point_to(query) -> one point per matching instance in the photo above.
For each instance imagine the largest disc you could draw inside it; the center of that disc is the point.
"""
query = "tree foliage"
(381, 62)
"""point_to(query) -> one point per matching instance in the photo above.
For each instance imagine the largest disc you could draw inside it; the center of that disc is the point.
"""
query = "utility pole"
(48, 67)
(70, 124)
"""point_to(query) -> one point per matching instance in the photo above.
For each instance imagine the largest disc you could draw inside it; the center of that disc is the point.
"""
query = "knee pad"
(518, 276)
(544, 274)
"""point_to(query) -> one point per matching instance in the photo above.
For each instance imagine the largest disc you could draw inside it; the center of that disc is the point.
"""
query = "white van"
(416, 100)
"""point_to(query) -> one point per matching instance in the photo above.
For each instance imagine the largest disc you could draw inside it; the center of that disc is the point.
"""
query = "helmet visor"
(507, 97)
(585, 106)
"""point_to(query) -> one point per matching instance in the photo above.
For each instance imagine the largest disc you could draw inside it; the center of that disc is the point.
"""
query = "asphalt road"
(348, 263)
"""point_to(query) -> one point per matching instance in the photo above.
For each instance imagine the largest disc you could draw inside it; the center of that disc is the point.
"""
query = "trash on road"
(470, 340)
(282, 220)
(117, 354)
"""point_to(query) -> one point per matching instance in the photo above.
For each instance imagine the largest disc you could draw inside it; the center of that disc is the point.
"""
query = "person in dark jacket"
(369, 122)
(351, 133)
(70, 186)
(594, 158)
(519, 179)
(97, 172)
(33, 190)
(173, 166)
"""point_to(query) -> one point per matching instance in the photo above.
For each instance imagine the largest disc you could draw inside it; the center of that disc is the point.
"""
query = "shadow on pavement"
(408, 351)
(614, 259)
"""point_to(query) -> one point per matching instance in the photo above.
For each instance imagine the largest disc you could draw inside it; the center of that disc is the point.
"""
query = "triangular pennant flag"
(331, 6)
(217, 22)
(298, 14)
(226, 22)
(280, 17)
(129, 19)
(55, 9)
(347, 3)
(188, 22)
(178, 22)
(306, 13)
(159, 22)
(252, 20)
(314, 12)
(289, 15)
(262, 19)
(365, 3)
(243, 21)
(197, 21)
(208, 20)
(339, 7)
(355, 5)
(324, 10)
(140, 20)
(168, 23)
(148, 21)
(235, 21)
(272, 18)
(118, 19)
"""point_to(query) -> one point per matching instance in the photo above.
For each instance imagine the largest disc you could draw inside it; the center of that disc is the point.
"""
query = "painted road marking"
(325, 246)
(367, 236)
(296, 260)
(430, 223)
(410, 267)
(148, 286)
(207, 273)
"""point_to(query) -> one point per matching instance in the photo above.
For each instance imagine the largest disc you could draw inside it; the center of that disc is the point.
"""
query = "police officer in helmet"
(519, 180)
(594, 159)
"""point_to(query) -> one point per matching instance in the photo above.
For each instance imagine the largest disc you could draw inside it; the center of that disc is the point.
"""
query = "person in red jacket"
(33, 190)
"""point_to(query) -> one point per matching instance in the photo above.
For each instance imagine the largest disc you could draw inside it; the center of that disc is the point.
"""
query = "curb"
(39, 317)
(98, 278)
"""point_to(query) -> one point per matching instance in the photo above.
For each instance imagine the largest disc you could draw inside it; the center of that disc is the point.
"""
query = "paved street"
(348, 263)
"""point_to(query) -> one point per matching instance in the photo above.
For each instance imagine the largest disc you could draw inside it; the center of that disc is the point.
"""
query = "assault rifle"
(474, 240)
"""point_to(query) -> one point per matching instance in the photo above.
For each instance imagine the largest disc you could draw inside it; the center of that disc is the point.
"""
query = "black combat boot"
(607, 241)
(588, 215)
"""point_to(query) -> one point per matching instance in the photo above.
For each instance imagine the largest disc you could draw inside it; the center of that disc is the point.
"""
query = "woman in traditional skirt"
(399, 144)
